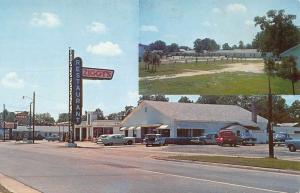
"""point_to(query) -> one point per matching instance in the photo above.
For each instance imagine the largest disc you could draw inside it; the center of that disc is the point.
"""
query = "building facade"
(91, 129)
(294, 51)
(190, 120)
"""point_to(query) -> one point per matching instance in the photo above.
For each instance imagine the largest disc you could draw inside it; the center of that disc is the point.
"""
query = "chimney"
(253, 110)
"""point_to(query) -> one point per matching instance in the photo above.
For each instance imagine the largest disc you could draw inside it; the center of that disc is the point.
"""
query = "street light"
(33, 112)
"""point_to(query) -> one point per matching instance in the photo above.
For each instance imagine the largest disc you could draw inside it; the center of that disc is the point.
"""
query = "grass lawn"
(227, 83)
(256, 162)
(168, 69)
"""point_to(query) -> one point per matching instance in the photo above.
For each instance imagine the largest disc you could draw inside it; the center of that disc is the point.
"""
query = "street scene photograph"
(219, 47)
(86, 105)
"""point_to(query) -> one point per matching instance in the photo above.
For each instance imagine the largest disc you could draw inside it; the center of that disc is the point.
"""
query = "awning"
(131, 128)
(163, 127)
(123, 129)
(150, 125)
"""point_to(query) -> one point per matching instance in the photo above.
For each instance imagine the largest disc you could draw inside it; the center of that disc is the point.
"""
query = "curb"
(232, 166)
(15, 186)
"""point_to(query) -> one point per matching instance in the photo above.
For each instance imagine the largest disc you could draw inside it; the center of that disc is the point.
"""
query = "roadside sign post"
(76, 74)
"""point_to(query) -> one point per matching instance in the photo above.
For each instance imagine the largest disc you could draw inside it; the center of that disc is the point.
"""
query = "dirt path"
(236, 67)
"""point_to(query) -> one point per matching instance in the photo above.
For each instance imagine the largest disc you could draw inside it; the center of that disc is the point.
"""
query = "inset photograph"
(219, 47)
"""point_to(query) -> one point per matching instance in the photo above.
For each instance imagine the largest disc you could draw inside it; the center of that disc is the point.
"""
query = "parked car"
(52, 138)
(293, 144)
(154, 139)
(115, 139)
(247, 138)
(281, 137)
(99, 139)
(206, 139)
(227, 137)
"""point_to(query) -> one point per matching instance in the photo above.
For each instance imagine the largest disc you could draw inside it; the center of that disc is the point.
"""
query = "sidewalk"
(14, 186)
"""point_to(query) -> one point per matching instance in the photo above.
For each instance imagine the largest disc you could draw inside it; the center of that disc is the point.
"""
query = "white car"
(115, 139)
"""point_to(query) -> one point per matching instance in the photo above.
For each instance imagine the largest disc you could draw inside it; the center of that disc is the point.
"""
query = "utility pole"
(270, 130)
(30, 116)
(33, 117)
(3, 122)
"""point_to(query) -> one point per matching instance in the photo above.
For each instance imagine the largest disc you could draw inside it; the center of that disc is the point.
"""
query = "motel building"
(175, 120)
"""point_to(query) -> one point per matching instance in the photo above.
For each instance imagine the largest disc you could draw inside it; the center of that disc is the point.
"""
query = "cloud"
(97, 27)
(149, 28)
(12, 80)
(236, 8)
(216, 10)
(45, 19)
(105, 49)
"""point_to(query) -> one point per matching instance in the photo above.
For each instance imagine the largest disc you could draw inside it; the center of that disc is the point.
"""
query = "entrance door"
(77, 132)
(83, 133)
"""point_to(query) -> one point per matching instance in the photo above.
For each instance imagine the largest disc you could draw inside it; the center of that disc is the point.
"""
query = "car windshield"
(247, 134)
(280, 135)
(150, 136)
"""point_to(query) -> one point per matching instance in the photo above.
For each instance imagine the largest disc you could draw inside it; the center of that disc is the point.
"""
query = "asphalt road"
(50, 167)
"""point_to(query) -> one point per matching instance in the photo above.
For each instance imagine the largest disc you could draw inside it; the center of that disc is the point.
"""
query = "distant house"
(8, 127)
(294, 51)
(189, 120)
(239, 53)
(142, 49)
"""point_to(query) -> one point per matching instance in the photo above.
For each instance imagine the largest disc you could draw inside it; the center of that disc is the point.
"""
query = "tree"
(99, 114)
(288, 70)
(241, 44)
(157, 45)
(172, 48)
(44, 119)
(229, 100)
(153, 98)
(278, 32)
(151, 59)
(205, 44)
(207, 99)
(113, 116)
(185, 99)
(184, 47)
(63, 117)
(248, 46)
(234, 47)
(294, 111)
(226, 46)
(270, 70)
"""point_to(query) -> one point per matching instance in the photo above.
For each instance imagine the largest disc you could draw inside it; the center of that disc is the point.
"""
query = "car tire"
(292, 148)
(147, 145)
(253, 144)
(129, 142)
(234, 144)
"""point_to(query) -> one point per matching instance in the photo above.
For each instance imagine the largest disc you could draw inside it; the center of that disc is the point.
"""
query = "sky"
(226, 21)
(34, 40)
(35, 37)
